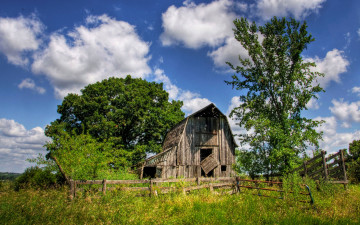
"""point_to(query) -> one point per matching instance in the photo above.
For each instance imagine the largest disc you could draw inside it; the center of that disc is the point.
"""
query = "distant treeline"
(9, 176)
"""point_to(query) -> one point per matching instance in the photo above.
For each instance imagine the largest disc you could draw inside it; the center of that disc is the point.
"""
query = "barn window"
(205, 153)
(223, 168)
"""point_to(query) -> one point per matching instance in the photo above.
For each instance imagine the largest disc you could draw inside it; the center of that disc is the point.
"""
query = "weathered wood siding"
(207, 130)
(171, 138)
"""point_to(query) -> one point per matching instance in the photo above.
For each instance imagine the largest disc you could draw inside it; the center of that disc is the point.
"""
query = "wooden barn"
(200, 145)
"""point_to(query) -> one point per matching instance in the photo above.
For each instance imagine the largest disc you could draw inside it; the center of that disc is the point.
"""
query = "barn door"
(207, 162)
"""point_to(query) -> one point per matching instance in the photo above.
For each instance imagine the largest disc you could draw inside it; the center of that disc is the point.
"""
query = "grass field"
(333, 205)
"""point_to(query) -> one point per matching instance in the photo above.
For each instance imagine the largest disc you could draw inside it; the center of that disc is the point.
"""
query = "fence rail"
(331, 169)
(236, 184)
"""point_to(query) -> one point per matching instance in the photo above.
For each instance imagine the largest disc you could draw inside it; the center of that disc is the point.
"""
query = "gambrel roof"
(173, 137)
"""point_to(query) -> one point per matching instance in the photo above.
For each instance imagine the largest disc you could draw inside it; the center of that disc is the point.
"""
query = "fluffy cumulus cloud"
(18, 144)
(192, 101)
(333, 140)
(30, 84)
(101, 48)
(195, 26)
(266, 9)
(347, 112)
(18, 36)
(356, 90)
(229, 52)
(333, 65)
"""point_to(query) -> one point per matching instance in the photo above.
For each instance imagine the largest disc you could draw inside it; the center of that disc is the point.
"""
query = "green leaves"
(278, 84)
(131, 116)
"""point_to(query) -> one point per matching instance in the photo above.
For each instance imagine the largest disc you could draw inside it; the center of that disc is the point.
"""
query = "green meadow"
(333, 205)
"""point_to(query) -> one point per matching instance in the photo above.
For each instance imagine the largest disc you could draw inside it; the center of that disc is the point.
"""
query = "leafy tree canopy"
(354, 161)
(132, 116)
(275, 84)
(354, 149)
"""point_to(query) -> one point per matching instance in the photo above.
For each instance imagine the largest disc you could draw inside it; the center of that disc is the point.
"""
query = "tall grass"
(333, 205)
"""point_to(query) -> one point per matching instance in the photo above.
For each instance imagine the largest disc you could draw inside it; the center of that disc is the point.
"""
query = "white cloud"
(332, 140)
(192, 101)
(356, 90)
(18, 36)
(18, 144)
(358, 32)
(313, 103)
(103, 48)
(236, 129)
(266, 9)
(332, 66)
(198, 25)
(172, 89)
(228, 53)
(30, 84)
(347, 40)
(345, 111)
(235, 102)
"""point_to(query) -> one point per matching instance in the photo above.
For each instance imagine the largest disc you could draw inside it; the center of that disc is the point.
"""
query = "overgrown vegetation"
(36, 177)
(333, 205)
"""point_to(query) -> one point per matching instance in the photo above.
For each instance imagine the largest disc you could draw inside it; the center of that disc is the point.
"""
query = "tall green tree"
(275, 84)
(354, 161)
(132, 115)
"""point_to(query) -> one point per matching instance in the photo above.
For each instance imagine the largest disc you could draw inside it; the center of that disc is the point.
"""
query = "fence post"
(343, 165)
(211, 188)
(198, 181)
(323, 153)
(104, 187)
(71, 191)
(305, 169)
(237, 180)
(151, 187)
(74, 183)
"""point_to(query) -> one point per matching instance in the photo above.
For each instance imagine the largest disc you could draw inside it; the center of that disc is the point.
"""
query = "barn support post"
(104, 187)
(142, 171)
(323, 153)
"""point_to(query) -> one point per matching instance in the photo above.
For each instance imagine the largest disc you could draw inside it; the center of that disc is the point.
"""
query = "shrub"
(35, 177)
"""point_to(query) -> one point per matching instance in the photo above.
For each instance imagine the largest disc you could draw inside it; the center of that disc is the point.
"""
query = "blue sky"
(51, 48)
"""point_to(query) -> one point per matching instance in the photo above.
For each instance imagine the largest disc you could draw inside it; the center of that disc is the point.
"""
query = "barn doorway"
(149, 172)
(204, 153)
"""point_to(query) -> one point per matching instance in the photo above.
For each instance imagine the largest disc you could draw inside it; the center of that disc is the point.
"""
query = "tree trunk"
(60, 168)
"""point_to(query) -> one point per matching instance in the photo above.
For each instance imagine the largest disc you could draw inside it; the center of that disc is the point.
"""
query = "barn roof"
(173, 137)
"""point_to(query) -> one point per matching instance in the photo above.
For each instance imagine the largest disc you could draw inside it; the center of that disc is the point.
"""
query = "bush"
(353, 165)
(35, 177)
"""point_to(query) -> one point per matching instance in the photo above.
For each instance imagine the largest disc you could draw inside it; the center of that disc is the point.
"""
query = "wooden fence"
(152, 186)
(331, 169)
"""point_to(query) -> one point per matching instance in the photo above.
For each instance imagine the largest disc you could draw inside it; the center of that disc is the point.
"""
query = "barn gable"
(200, 145)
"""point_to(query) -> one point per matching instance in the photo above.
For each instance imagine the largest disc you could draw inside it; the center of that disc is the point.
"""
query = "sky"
(51, 48)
